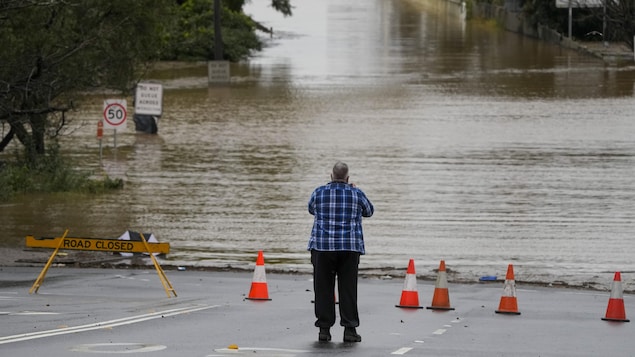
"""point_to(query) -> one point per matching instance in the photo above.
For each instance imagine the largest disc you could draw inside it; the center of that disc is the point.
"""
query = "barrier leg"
(164, 279)
(40, 278)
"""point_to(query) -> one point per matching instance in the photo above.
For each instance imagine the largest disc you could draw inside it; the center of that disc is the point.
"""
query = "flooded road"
(476, 145)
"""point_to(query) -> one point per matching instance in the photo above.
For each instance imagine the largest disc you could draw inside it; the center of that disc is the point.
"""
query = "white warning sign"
(149, 99)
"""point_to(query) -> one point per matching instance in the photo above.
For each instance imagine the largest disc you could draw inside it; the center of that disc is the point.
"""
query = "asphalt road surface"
(92, 312)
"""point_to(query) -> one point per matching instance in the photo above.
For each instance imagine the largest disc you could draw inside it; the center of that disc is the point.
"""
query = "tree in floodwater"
(193, 36)
(620, 20)
(53, 50)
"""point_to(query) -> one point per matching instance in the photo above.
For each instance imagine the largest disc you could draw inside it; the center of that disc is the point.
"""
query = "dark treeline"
(592, 20)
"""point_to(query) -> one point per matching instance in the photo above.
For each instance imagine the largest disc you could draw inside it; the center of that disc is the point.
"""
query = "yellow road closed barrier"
(97, 244)
(100, 244)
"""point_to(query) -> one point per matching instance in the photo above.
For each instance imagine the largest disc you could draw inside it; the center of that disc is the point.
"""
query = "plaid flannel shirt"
(338, 209)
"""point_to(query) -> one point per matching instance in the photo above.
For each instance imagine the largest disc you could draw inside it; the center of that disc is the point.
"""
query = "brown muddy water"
(477, 146)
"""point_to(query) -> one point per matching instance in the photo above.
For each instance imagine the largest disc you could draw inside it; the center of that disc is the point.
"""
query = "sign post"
(218, 69)
(100, 135)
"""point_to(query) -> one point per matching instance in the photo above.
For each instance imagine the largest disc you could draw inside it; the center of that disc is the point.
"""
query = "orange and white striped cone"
(615, 310)
(259, 290)
(410, 295)
(508, 303)
(441, 296)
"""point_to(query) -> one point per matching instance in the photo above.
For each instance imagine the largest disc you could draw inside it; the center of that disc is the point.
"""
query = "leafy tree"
(544, 12)
(55, 49)
(193, 37)
(620, 20)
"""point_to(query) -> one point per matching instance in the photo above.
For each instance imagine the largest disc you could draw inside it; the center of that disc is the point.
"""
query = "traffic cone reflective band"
(259, 290)
(615, 310)
(441, 297)
(508, 303)
(409, 295)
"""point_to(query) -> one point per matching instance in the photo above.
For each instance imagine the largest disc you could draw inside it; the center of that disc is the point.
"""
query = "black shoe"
(325, 334)
(350, 335)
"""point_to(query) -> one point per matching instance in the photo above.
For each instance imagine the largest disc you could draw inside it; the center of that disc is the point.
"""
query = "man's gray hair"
(340, 171)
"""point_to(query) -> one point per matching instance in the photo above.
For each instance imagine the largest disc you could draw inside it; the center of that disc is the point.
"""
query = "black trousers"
(326, 267)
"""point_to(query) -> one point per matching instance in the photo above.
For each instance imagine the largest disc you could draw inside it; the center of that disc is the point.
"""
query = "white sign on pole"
(115, 114)
(579, 3)
(218, 72)
(149, 99)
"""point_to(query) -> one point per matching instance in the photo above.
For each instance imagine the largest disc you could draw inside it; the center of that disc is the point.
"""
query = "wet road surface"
(103, 311)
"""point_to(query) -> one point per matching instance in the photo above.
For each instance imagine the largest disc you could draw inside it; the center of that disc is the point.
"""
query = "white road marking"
(127, 348)
(440, 331)
(131, 278)
(104, 324)
(34, 313)
(261, 351)
(402, 351)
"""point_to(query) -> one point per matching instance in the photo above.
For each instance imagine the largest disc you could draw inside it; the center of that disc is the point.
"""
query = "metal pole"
(570, 18)
(115, 144)
(218, 38)
(606, 43)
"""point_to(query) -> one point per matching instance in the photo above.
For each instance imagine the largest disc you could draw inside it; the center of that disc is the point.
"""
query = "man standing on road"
(336, 244)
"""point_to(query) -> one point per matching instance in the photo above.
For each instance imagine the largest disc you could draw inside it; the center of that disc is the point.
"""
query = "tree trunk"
(7, 139)
(33, 141)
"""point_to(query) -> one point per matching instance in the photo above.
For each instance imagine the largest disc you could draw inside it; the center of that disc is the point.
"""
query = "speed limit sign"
(115, 113)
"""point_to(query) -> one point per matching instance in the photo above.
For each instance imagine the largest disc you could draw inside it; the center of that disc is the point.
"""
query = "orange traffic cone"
(615, 311)
(259, 289)
(409, 295)
(508, 303)
(441, 297)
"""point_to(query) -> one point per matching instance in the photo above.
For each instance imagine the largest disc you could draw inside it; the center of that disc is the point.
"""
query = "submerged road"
(93, 312)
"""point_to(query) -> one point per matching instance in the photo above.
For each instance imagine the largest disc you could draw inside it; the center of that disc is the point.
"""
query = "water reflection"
(476, 145)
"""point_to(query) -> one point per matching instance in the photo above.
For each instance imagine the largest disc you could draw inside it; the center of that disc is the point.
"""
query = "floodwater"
(477, 146)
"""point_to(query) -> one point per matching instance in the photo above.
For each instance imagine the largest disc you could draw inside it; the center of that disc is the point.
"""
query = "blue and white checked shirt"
(338, 209)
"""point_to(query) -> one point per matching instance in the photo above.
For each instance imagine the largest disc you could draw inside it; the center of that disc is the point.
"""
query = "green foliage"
(542, 12)
(193, 36)
(54, 49)
(283, 6)
(49, 173)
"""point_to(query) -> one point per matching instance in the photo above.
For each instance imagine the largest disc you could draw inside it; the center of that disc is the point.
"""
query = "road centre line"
(273, 351)
(104, 324)
(402, 351)
(31, 313)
